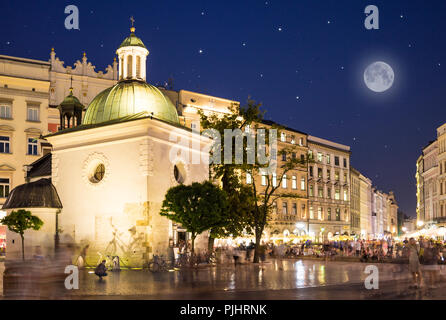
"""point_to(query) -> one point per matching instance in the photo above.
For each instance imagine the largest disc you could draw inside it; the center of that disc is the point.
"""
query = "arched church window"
(138, 67)
(121, 68)
(129, 66)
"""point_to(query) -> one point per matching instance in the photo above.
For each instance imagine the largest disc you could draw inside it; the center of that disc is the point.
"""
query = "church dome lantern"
(132, 55)
(132, 97)
(70, 111)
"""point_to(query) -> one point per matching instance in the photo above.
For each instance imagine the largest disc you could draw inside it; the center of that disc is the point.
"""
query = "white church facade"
(105, 179)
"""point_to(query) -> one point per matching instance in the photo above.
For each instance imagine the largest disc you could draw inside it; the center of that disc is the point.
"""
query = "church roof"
(132, 41)
(40, 168)
(130, 98)
(38, 194)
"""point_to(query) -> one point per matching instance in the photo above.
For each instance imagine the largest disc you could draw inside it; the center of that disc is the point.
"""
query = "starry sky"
(303, 59)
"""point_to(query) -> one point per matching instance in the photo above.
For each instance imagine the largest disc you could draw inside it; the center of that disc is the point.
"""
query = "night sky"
(304, 60)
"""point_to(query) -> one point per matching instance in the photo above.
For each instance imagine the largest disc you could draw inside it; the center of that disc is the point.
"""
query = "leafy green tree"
(197, 207)
(239, 196)
(20, 221)
(257, 200)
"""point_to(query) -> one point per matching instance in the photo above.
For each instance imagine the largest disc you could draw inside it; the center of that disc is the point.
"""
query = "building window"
(302, 158)
(284, 207)
(302, 184)
(4, 188)
(274, 180)
(319, 157)
(5, 111)
(248, 178)
(319, 213)
(294, 182)
(311, 213)
(345, 162)
(337, 194)
(4, 144)
(319, 172)
(311, 191)
(328, 174)
(329, 214)
(328, 193)
(283, 137)
(345, 177)
(301, 141)
(294, 209)
(32, 146)
(33, 114)
(345, 195)
(337, 175)
(328, 159)
(338, 214)
(274, 207)
(320, 192)
(310, 154)
(304, 213)
(336, 161)
(292, 140)
(346, 215)
(284, 156)
(284, 181)
(273, 154)
(263, 180)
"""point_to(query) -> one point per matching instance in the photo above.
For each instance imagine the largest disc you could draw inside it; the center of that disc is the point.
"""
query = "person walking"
(431, 257)
(414, 263)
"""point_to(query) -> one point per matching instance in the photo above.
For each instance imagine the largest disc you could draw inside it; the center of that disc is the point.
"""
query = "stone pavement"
(286, 279)
(228, 280)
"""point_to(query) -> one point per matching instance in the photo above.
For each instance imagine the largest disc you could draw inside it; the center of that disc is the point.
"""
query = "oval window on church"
(98, 173)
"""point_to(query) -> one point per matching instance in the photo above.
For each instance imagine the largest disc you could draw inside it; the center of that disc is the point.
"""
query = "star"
(280, 28)
(102, 45)
(439, 64)
(202, 13)
(342, 67)
(261, 75)
(297, 98)
(354, 139)
(401, 16)
(244, 44)
(200, 51)
(8, 42)
(410, 45)
(328, 22)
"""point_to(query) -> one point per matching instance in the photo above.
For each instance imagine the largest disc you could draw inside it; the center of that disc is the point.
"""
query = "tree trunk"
(23, 247)
(257, 246)
(192, 251)
(211, 244)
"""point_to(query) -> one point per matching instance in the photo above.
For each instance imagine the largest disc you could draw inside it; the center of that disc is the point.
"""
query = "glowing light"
(420, 223)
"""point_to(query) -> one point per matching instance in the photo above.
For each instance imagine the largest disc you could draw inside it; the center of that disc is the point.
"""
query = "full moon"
(379, 76)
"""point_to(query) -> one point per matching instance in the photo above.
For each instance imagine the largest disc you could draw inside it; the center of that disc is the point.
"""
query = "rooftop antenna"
(71, 85)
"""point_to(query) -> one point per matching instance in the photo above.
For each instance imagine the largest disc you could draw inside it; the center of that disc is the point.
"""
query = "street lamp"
(420, 223)
(404, 229)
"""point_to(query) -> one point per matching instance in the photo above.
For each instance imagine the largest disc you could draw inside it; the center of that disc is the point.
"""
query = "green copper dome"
(132, 41)
(132, 98)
